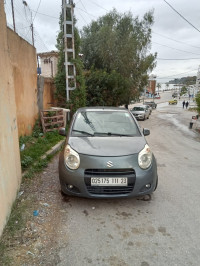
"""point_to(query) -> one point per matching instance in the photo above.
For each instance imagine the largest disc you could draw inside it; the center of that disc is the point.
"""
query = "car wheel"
(156, 184)
(63, 193)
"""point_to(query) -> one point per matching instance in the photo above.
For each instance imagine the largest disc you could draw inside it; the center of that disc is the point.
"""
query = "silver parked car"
(106, 155)
(141, 112)
(149, 108)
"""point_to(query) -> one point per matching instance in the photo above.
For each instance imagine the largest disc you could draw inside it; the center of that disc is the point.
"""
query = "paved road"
(163, 231)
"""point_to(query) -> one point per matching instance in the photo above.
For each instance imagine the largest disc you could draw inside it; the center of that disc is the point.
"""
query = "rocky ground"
(35, 243)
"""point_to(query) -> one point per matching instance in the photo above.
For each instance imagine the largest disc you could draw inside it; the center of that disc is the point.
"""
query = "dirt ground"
(36, 243)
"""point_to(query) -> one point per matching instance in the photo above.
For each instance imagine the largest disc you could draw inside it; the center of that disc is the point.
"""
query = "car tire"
(63, 193)
(156, 184)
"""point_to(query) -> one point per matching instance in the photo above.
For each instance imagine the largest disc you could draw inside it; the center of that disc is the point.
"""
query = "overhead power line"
(175, 48)
(178, 58)
(44, 14)
(177, 74)
(85, 12)
(99, 6)
(83, 18)
(181, 16)
(84, 7)
(37, 10)
(175, 40)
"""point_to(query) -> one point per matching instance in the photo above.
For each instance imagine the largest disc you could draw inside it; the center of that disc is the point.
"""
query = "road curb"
(52, 151)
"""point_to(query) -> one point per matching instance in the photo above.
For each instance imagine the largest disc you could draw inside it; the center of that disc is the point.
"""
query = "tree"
(77, 96)
(105, 88)
(184, 90)
(197, 99)
(120, 43)
(158, 86)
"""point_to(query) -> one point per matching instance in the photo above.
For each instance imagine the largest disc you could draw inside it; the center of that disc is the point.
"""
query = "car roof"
(102, 108)
(143, 106)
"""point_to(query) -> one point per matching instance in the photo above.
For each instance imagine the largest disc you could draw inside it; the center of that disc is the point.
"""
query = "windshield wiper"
(111, 134)
(83, 132)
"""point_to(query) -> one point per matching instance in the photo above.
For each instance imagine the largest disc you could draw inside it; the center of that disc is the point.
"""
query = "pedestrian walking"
(183, 104)
(186, 104)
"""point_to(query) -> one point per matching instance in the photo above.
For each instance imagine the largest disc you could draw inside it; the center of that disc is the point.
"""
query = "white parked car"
(141, 112)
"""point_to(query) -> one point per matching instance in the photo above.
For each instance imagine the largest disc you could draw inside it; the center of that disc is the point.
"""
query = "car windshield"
(104, 123)
(137, 108)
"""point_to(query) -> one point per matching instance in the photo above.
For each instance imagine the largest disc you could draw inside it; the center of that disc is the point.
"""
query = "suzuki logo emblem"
(109, 164)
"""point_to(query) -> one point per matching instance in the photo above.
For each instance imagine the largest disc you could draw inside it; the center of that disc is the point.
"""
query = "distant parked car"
(141, 112)
(174, 101)
(149, 108)
(175, 94)
(106, 155)
(157, 96)
(152, 104)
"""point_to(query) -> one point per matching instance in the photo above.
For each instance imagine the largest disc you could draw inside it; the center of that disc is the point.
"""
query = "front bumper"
(77, 182)
(139, 116)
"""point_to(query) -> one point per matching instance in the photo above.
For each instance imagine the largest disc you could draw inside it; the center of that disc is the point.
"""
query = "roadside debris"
(22, 147)
(20, 194)
(35, 213)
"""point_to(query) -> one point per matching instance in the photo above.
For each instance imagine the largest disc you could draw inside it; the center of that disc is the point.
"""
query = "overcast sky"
(172, 37)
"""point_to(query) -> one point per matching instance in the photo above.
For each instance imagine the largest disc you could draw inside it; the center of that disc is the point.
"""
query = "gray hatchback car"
(106, 155)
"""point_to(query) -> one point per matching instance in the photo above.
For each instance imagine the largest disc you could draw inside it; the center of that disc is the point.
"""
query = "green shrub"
(26, 162)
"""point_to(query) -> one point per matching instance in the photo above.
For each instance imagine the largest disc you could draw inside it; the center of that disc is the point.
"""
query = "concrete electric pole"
(68, 31)
(13, 15)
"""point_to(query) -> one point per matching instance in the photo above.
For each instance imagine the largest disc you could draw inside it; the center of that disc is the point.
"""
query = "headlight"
(71, 158)
(145, 157)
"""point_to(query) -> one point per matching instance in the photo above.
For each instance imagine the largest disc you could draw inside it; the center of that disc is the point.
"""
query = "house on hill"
(48, 63)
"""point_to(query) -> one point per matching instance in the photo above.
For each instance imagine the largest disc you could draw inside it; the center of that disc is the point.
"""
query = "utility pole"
(13, 15)
(68, 28)
(32, 35)
(32, 29)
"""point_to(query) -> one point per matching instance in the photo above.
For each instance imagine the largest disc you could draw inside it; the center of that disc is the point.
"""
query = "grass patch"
(13, 230)
(36, 147)
(37, 167)
(192, 109)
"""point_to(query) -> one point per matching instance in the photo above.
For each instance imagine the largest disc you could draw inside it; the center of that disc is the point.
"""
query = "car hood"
(138, 112)
(107, 146)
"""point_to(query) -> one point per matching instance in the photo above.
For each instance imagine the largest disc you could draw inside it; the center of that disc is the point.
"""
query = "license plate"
(109, 181)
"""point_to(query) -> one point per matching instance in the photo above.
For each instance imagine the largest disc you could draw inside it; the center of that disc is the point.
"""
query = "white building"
(198, 81)
(48, 63)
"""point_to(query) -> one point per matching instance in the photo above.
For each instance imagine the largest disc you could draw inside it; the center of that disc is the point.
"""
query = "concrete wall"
(46, 90)
(48, 94)
(10, 168)
(24, 65)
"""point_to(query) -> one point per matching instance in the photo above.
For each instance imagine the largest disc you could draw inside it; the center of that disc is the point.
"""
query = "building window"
(47, 60)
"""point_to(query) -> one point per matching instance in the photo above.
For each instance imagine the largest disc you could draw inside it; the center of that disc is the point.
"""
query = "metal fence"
(21, 19)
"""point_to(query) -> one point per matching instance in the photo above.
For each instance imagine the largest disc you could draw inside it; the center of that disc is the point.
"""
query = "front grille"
(109, 172)
(110, 190)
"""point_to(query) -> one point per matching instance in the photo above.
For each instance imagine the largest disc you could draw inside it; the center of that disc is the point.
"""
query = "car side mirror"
(146, 131)
(62, 131)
